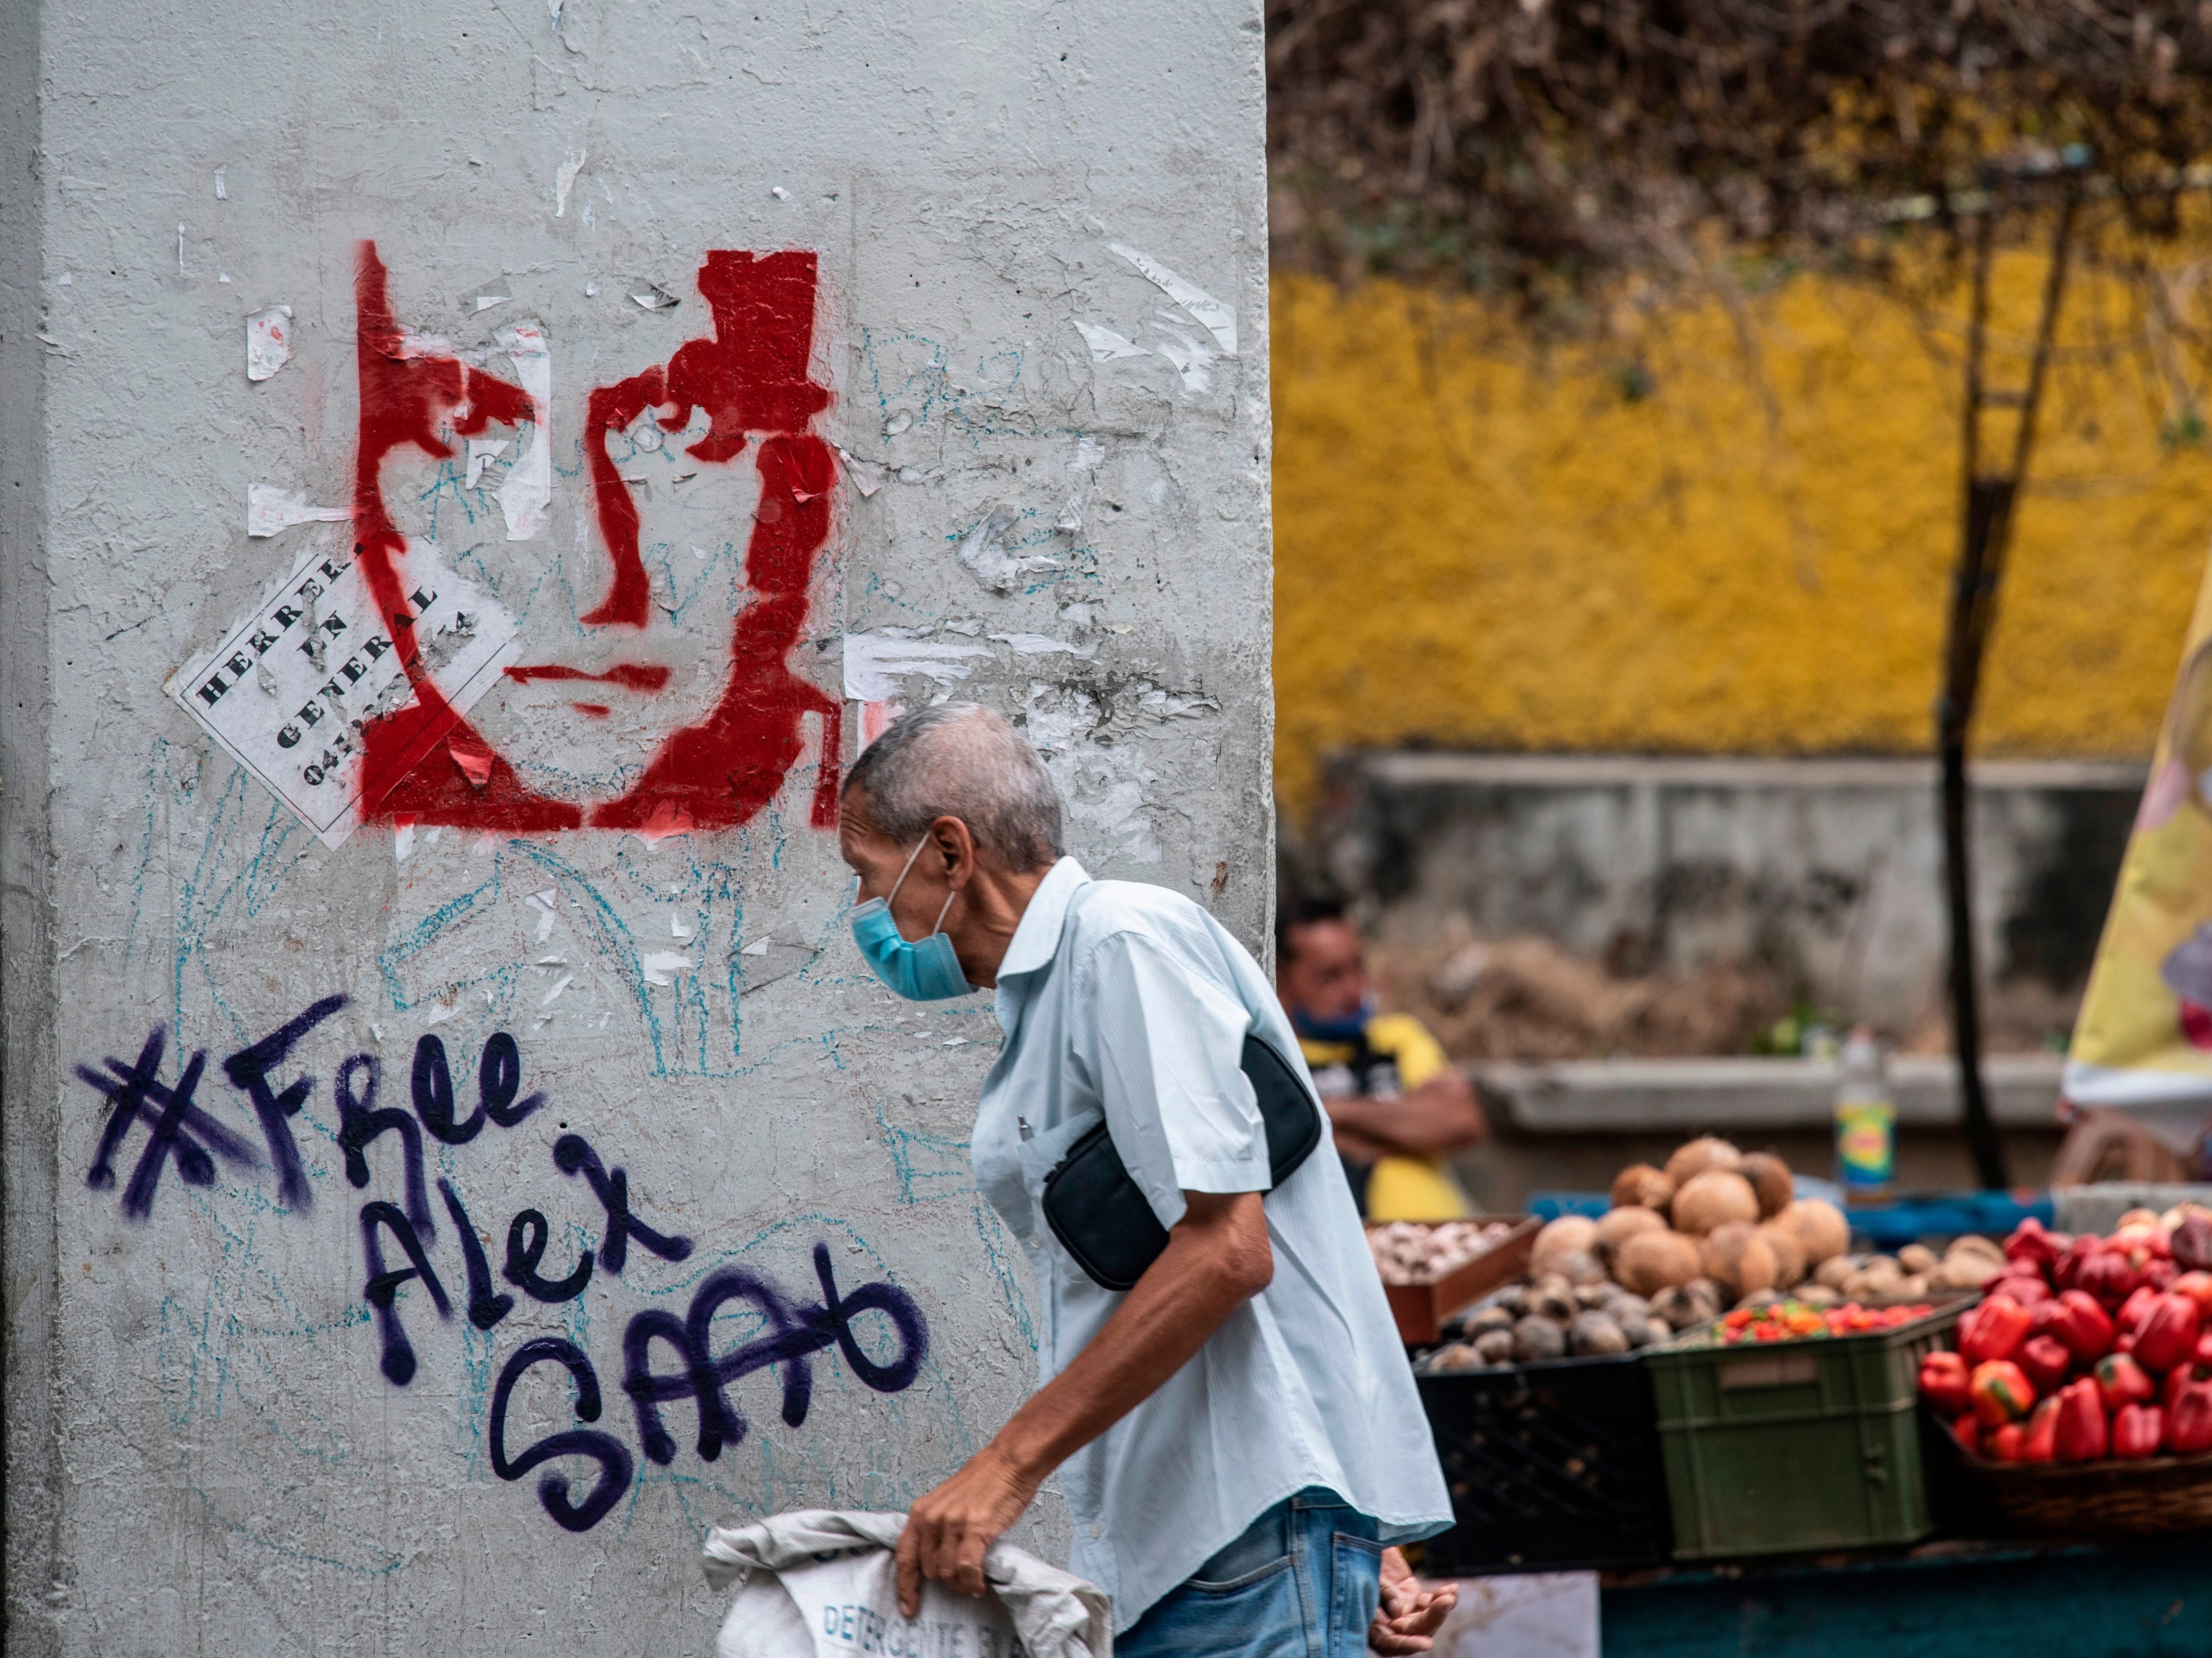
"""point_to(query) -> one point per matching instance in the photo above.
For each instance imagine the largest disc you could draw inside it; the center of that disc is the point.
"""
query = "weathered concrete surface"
(1828, 873)
(204, 1453)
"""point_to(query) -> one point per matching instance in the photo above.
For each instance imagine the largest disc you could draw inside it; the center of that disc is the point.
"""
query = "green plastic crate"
(1797, 1446)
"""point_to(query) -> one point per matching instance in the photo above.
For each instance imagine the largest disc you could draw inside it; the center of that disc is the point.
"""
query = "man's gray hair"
(960, 760)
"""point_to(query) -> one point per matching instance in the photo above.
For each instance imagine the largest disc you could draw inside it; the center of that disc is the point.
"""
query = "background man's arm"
(1218, 1258)
(1442, 1114)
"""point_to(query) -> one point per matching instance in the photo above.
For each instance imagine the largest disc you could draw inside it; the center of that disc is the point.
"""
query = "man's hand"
(1218, 1258)
(1408, 1616)
(947, 1531)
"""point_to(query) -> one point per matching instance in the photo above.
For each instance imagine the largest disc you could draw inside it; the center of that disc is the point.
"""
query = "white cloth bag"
(822, 1583)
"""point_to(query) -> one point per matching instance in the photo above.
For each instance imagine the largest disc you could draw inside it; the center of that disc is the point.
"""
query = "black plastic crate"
(1551, 1467)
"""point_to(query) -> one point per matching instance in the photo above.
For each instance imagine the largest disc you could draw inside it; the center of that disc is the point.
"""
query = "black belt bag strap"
(1101, 1219)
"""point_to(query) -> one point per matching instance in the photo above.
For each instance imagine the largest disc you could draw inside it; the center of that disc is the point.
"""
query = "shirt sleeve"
(1419, 1055)
(1162, 1042)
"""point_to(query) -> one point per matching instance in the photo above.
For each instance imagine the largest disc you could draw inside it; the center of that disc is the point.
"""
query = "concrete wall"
(1719, 529)
(230, 1427)
(1828, 873)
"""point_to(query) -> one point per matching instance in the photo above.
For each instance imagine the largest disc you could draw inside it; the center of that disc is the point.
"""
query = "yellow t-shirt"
(1396, 1053)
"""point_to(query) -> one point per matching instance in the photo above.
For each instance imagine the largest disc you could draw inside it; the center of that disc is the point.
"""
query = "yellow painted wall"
(1482, 545)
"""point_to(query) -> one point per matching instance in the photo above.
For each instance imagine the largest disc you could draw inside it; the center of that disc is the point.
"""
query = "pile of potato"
(1913, 1273)
(1711, 1213)
(1679, 1246)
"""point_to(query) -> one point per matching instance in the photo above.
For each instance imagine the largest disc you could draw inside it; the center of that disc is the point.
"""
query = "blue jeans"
(1301, 1582)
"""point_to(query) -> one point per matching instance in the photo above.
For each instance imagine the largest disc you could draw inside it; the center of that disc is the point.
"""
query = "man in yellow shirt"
(1395, 1100)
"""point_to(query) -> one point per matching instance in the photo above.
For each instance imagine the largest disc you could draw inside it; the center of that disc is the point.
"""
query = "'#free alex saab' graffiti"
(348, 694)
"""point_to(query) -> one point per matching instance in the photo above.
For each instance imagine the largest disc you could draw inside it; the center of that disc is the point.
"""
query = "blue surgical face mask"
(925, 972)
(1315, 1028)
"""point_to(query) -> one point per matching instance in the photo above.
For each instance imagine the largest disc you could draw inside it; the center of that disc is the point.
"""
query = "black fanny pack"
(1101, 1219)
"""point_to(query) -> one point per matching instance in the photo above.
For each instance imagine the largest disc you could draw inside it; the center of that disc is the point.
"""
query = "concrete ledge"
(1419, 767)
(1610, 1097)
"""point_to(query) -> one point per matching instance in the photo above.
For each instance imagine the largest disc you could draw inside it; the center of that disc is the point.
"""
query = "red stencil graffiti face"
(709, 715)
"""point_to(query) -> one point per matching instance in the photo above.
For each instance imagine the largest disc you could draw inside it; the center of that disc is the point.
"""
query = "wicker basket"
(2142, 1498)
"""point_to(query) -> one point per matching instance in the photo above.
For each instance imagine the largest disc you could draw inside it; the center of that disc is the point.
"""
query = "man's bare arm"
(1442, 1114)
(1218, 1258)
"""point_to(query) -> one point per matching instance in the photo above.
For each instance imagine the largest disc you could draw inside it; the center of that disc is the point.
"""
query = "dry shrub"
(1528, 999)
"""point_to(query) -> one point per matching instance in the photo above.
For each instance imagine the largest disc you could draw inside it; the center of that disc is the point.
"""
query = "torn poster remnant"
(1192, 359)
(1043, 645)
(527, 497)
(564, 181)
(268, 341)
(1106, 345)
(987, 551)
(765, 961)
(319, 639)
(1083, 471)
(482, 452)
(271, 510)
(661, 966)
(1217, 318)
(875, 663)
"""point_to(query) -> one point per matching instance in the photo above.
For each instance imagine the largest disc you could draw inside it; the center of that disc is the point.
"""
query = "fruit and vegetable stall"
(1706, 1394)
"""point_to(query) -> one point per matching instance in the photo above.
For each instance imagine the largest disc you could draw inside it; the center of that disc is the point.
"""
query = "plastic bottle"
(1866, 1122)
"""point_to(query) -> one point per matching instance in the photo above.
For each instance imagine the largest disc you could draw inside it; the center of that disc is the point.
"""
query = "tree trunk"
(1985, 532)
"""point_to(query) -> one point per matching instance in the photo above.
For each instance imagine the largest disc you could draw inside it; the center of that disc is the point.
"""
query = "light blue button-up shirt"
(1132, 1001)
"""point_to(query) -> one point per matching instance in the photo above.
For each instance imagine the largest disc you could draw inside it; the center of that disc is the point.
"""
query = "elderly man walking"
(1237, 1435)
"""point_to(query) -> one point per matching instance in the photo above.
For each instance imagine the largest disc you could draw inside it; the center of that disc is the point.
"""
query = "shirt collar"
(1036, 937)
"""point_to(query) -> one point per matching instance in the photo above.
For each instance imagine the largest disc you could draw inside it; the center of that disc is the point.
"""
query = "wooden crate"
(1421, 1309)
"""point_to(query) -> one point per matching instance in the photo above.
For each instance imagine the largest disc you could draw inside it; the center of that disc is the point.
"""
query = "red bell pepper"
(1943, 1378)
(1993, 1330)
(2030, 1242)
(2042, 1440)
(2131, 1310)
(2197, 1286)
(2160, 1274)
(2066, 1271)
(2001, 1392)
(2121, 1380)
(2107, 1275)
(2046, 1359)
(2137, 1430)
(2007, 1444)
(2027, 1290)
(2084, 1435)
(1967, 1430)
(2169, 1391)
(2078, 1319)
(2165, 1332)
(2189, 1421)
